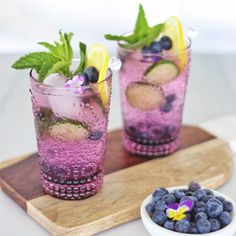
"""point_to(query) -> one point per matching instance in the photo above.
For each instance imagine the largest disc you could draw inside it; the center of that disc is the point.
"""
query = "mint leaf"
(129, 38)
(60, 66)
(81, 66)
(34, 60)
(142, 35)
(141, 25)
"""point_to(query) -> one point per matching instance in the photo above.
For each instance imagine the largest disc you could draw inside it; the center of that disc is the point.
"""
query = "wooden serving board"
(128, 180)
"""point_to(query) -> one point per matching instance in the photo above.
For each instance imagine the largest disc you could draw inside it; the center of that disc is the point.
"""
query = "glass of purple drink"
(152, 89)
(71, 133)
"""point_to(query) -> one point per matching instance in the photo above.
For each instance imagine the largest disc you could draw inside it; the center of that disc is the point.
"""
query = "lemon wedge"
(174, 30)
(98, 57)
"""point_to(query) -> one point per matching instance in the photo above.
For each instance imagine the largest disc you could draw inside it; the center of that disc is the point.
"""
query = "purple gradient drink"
(71, 101)
(152, 99)
(71, 134)
(153, 82)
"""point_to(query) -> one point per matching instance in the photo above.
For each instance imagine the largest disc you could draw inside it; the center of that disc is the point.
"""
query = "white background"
(23, 23)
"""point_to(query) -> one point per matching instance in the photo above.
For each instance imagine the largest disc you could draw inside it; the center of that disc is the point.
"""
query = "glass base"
(72, 189)
(150, 150)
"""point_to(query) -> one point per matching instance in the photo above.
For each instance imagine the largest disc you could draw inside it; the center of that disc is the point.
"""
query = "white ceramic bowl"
(156, 230)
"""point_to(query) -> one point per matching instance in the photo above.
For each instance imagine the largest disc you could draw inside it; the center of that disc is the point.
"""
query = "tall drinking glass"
(152, 89)
(71, 132)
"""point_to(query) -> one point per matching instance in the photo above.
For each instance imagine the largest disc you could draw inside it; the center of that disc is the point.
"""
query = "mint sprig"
(81, 66)
(58, 59)
(142, 35)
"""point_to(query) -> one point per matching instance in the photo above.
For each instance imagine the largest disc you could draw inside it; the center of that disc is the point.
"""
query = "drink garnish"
(142, 35)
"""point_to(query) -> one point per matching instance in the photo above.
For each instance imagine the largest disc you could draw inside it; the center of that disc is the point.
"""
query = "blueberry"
(228, 206)
(206, 198)
(39, 115)
(95, 135)
(150, 208)
(159, 217)
(193, 199)
(167, 107)
(166, 42)
(86, 80)
(225, 218)
(160, 206)
(220, 199)
(182, 226)
(215, 224)
(189, 194)
(169, 198)
(201, 216)
(146, 50)
(203, 226)
(200, 207)
(188, 216)
(159, 193)
(193, 186)
(208, 192)
(170, 98)
(179, 193)
(169, 224)
(156, 47)
(214, 207)
(92, 74)
(199, 194)
(193, 228)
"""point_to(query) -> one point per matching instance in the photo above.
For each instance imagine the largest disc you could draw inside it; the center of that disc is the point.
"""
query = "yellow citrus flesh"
(98, 57)
(174, 30)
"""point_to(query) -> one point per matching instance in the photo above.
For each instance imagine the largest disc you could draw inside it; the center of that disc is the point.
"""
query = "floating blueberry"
(228, 206)
(203, 226)
(193, 186)
(92, 73)
(167, 107)
(201, 215)
(179, 193)
(199, 194)
(182, 226)
(170, 98)
(225, 218)
(160, 193)
(150, 208)
(200, 207)
(214, 207)
(156, 47)
(146, 50)
(193, 228)
(166, 42)
(215, 224)
(169, 224)
(160, 206)
(95, 135)
(159, 217)
(169, 198)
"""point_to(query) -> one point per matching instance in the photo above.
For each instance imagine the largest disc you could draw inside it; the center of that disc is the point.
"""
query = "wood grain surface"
(128, 179)
(209, 163)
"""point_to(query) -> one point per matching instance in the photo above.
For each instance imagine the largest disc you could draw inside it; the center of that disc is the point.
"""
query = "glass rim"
(187, 40)
(87, 87)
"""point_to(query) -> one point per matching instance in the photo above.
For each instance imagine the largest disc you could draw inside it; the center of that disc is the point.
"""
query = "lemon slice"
(174, 30)
(98, 57)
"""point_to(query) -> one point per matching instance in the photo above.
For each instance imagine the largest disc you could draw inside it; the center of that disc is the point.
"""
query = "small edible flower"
(77, 83)
(176, 211)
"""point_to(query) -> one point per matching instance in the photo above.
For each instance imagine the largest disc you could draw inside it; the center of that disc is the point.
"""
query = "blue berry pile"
(208, 214)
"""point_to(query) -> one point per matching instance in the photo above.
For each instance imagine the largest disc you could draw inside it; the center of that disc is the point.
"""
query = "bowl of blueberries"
(185, 210)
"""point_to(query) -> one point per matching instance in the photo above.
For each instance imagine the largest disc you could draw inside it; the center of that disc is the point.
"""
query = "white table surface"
(211, 93)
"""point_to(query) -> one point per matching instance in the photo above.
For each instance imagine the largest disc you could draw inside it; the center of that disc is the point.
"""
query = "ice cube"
(55, 80)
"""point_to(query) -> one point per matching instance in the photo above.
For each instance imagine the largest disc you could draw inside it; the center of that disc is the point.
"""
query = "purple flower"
(76, 83)
(176, 210)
